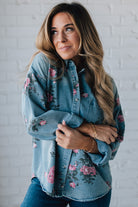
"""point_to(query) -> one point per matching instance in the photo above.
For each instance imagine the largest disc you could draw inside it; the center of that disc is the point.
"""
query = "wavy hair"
(91, 52)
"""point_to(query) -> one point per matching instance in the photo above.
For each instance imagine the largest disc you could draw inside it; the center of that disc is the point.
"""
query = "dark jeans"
(35, 197)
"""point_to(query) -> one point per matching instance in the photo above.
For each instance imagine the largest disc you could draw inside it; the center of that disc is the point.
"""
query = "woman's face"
(64, 36)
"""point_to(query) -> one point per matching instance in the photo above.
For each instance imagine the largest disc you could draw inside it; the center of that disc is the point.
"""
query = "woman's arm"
(69, 138)
(105, 152)
(103, 133)
(108, 151)
(41, 122)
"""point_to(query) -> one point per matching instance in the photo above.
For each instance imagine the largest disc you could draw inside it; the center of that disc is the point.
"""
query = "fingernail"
(63, 122)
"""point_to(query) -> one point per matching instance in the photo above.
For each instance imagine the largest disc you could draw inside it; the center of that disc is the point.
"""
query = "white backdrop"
(20, 20)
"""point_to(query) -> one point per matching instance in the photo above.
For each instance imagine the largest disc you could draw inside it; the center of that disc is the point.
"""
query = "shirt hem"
(70, 197)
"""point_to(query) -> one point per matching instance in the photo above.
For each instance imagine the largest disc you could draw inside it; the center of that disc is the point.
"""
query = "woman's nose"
(62, 37)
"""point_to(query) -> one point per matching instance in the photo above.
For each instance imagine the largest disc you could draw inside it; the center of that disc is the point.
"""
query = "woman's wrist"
(93, 131)
(90, 145)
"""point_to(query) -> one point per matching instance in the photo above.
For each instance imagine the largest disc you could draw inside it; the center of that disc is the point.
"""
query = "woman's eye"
(68, 29)
(53, 32)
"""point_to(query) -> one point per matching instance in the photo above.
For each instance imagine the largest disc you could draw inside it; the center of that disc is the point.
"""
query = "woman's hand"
(69, 138)
(104, 133)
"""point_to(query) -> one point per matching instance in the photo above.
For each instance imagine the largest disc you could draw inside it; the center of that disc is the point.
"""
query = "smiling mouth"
(64, 48)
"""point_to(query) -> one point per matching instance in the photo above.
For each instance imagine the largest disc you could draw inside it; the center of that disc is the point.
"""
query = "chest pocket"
(89, 108)
(95, 113)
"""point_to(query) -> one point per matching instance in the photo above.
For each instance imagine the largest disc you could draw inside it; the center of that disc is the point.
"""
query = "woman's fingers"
(59, 135)
(64, 128)
(64, 123)
(112, 138)
(68, 138)
(114, 134)
(114, 129)
(109, 139)
(63, 134)
(106, 133)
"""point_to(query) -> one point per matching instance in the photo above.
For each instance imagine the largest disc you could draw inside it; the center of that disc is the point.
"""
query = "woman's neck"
(78, 62)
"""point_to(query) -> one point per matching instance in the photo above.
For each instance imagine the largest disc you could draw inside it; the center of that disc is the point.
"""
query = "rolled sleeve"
(41, 122)
(104, 156)
(108, 152)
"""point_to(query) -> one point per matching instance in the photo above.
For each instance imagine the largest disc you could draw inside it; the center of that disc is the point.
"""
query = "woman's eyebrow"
(69, 25)
(66, 25)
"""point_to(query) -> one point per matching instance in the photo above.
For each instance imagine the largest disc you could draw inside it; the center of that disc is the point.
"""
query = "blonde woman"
(71, 109)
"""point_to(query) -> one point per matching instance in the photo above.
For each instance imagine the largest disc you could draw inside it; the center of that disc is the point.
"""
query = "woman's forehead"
(61, 19)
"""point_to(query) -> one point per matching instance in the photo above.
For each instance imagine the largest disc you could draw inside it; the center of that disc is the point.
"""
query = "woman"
(71, 108)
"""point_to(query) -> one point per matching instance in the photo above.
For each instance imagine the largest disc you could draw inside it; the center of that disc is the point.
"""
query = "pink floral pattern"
(52, 72)
(120, 138)
(34, 145)
(82, 168)
(49, 97)
(75, 150)
(85, 95)
(77, 85)
(72, 184)
(118, 101)
(120, 118)
(88, 170)
(74, 91)
(114, 150)
(42, 122)
(50, 176)
(27, 82)
(72, 167)
(108, 184)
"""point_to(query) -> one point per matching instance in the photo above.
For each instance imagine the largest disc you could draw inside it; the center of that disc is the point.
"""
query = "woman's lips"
(64, 48)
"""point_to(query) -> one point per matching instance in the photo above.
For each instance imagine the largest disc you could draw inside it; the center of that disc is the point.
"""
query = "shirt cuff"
(104, 156)
(73, 120)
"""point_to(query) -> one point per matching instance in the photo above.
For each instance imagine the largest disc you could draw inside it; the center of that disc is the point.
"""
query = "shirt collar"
(71, 63)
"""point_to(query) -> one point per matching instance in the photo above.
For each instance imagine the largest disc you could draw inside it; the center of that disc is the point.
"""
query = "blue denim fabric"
(35, 197)
(75, 174)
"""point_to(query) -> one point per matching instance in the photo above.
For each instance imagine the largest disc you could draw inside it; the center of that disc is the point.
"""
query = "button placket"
(76, 91)
(75, 109)
(66, 161)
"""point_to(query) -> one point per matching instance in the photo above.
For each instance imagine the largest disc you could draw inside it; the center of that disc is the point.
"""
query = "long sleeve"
(108, 152)
(41, 122)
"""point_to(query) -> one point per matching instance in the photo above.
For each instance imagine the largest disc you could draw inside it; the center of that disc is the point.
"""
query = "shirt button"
(64, 166)
(76, 99)
(62, 186)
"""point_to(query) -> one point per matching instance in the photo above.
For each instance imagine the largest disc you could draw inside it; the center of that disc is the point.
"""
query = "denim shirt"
(46, 102)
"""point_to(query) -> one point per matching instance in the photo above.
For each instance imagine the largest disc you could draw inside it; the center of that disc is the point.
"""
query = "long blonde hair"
(91, 51)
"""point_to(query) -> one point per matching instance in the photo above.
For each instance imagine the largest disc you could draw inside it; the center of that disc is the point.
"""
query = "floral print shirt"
(46, 102)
